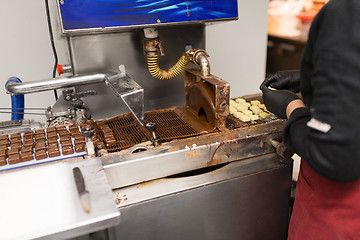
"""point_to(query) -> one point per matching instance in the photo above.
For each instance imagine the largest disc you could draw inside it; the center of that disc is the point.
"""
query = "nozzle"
(152, 43)
(151, 126)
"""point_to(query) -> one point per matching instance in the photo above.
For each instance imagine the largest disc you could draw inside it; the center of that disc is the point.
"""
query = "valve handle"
(151, 126)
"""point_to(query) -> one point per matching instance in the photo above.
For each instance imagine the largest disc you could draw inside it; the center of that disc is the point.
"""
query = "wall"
(237, 49)
(25, 49)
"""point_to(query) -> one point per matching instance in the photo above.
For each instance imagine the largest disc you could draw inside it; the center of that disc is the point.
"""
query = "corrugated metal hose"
(156, 72)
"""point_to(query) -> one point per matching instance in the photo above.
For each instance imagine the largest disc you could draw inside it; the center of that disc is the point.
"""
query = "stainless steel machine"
(136, 152)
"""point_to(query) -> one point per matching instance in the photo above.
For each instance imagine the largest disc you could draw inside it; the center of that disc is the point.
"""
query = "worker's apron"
(324, 209)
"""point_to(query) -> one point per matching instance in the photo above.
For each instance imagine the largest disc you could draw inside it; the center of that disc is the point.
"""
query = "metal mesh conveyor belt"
(232, 122)
(172, 123)
(128, 132)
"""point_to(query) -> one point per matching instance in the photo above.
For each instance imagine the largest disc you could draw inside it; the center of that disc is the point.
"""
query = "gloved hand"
(284, 80)
(276, 101)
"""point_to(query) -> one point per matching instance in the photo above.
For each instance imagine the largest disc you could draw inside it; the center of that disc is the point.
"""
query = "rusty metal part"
(281, 149)
(151, 126)
(200, 57)
(182, 121)
(152, 46)
(191, 153)
(101, 149)
(172, 123)
(207, 97)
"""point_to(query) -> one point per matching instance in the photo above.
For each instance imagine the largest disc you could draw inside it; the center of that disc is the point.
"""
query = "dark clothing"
(330, 86)
(327, 202)
(324, 209)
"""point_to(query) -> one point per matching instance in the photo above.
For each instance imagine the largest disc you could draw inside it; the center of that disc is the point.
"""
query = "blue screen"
(88, 14)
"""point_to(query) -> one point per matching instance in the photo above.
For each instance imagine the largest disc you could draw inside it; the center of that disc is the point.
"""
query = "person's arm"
(294, 105)
(327, 134)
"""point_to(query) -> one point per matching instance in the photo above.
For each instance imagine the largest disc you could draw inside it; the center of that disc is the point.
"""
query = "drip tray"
(172, 123)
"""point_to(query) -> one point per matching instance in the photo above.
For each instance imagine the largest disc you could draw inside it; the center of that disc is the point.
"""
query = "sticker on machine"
(318, 125)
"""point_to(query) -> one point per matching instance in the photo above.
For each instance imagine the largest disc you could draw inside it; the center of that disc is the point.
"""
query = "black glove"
(284, 80)
(276, 101)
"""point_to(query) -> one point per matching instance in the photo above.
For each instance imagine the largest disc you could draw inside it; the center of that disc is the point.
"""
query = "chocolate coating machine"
(200, 173)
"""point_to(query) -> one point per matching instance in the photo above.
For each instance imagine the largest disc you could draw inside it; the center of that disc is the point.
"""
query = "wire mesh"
(128, 132)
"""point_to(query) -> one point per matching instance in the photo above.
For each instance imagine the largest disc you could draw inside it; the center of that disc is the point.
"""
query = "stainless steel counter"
(247, 199)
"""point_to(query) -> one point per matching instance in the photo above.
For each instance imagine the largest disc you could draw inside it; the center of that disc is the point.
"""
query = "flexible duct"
(156, 72)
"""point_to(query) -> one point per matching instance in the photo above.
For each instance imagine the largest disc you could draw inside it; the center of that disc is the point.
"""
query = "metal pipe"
(152, 45)
(200, 57)
(281, 149)
(17, 101)
(22, 114)
(204, 65)
(56, 83)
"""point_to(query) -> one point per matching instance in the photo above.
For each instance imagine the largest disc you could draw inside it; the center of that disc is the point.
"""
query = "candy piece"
(4, 138)
(66, 150)
(40, 154)
(232, 110)
(238, 114)
(264, 115)
(247, 112)
(240, 107)
(246, 104)
(254, 117)
(54, 152)
(26, 156)
(79, 147)
(255, 102)
(245, 118)
(240, 100)
(14, 158)
(256, 109)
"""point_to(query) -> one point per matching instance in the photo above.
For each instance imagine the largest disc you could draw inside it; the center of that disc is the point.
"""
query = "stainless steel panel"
(130, 92)
(124, 168)
(244, 200)
(54, 207)
(105, 52)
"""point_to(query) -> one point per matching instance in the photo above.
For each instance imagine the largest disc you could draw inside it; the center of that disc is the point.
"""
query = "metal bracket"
(207, 97)
(10, 123)
(130, 92)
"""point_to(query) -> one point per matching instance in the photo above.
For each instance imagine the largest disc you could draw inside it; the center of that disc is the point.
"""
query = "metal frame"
(86, 31)
(126, 168)
(210, 93)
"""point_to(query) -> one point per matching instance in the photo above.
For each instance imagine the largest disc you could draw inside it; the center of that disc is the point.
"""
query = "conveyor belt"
(128, 132)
